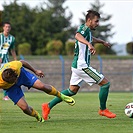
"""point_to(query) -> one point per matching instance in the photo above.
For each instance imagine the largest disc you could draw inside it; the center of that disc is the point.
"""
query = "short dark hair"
(91, 14)
(9, 75)
(3, 24)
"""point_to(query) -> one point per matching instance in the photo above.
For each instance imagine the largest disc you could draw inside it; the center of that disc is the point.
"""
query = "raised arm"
(97, 40)
(81, 39)
(28, 66)
(13, 54)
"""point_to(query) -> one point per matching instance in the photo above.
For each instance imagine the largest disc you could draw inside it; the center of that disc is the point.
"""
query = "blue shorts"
(27, 79)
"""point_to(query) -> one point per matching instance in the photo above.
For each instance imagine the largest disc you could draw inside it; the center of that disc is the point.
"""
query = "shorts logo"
(33, 77)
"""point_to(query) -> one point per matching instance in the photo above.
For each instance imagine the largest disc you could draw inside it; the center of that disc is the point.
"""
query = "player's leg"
(67, 92)
(72, 90)
(22, 104)
(16, 95)
(30, 80)
(103, 95)
(46, 107)
(95, 77)
(52, 91)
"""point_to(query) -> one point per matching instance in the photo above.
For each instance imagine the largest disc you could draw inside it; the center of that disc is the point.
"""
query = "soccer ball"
(129, 110)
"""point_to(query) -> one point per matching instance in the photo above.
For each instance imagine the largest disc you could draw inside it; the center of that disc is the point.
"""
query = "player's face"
(7, 28)
(94, 23)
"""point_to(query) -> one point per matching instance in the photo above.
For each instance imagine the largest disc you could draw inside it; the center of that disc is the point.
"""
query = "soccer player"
(7, 41)
(81, 68)
(13, 75)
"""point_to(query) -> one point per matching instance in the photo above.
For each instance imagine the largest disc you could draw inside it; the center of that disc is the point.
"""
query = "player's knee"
(106, 85)
(104, 82)
(24, 108)
(74, 89)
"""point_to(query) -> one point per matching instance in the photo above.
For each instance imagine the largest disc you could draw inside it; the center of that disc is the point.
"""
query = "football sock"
(57, 100)
(55, 92)
(103, 94)
(34, 113)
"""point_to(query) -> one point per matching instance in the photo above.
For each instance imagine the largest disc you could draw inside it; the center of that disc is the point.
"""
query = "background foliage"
(24, 49)
(49, 21)
(129, 47)
(54, 47)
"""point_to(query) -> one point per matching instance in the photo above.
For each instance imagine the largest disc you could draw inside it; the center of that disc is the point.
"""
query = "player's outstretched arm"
(97, 40)
(28, 66)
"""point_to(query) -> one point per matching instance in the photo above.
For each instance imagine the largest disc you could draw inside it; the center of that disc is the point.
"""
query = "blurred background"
(45, 29)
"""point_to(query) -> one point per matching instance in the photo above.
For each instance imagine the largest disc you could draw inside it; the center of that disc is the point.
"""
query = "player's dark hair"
(6, 23)
(9, 75)
(91, 14)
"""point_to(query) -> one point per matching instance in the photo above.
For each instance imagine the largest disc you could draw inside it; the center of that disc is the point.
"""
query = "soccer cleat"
(106, 113)
(39, 118)
(45, 111)
(68, 99)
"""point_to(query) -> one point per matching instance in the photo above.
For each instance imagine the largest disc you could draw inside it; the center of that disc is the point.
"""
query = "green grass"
(81, 118)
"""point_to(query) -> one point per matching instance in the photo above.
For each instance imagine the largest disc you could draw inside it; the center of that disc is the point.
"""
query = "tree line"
(47, 28)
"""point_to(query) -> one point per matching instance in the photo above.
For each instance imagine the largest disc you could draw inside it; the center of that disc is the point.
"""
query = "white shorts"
(89, 75)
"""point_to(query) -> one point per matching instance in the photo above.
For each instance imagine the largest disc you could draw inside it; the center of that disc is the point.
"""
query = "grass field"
(81, 118)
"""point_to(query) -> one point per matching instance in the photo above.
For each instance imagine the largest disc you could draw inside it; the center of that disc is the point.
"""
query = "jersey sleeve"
(85, 32)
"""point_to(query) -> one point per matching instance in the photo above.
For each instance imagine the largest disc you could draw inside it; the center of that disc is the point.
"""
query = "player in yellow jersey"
(14, 74)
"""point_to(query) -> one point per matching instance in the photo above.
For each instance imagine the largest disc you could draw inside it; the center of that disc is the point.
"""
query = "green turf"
(81, 118)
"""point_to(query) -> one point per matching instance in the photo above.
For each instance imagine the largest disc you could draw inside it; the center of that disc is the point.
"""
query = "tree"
(70, 47)
(24, 49)
(55, 25)
(129, 48)
(102, 50)
(21, 18)
(54, 47)
(59, 25)
(39, 25)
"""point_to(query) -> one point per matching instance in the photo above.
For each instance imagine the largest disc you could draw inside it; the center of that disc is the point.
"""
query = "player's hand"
(92, 49)
(39, 73)
(106, 44)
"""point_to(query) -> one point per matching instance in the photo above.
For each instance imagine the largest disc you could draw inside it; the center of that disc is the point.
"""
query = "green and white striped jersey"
(6, 43)
(82, 53)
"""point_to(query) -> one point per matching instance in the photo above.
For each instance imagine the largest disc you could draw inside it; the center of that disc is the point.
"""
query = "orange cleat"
(106, 113)
(45, 111)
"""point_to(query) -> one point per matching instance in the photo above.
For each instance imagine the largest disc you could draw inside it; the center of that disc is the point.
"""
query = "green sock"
(103, 94)
(57, 100)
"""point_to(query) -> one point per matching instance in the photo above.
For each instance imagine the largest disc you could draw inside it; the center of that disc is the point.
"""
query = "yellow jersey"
(15, 65)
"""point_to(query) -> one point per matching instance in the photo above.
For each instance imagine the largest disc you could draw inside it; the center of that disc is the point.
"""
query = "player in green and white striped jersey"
(81, 68)
(7, 42)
